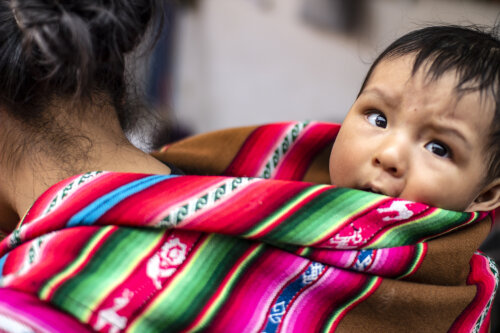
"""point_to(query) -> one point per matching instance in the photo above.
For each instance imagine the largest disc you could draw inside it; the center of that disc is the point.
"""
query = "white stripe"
(13, 326)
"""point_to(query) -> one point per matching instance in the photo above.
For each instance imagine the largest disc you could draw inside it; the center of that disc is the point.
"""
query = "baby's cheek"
(423, 190)
(436, 194)
(342, 173)
(344, 165)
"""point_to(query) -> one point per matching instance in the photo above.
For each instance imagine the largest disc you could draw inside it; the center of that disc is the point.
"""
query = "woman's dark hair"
(472, 52)
(67, 48)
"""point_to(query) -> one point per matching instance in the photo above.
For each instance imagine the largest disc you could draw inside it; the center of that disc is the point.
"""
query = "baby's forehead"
(394, 86)
(397, 76)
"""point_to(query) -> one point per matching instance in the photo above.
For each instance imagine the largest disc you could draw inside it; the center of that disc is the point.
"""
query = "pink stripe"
(387, 262)
(36, 314)
(392, 262)
(341, 227)
(315, 306)
(340, 259)
(249, 302)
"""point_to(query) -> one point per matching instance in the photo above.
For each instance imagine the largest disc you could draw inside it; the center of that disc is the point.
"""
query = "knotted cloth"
(255, 241)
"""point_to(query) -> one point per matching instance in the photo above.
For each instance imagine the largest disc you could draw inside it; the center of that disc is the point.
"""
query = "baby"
(425, 126)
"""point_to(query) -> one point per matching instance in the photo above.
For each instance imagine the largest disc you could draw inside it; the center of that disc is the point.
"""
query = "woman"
(63, 94)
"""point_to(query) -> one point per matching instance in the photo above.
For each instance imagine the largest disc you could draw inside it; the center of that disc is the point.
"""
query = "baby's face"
(408, 137)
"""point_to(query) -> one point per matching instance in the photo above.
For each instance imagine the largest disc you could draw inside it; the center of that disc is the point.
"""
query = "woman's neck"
(97, 143)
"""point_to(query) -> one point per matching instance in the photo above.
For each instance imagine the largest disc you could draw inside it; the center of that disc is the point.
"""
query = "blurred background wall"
(240, 62)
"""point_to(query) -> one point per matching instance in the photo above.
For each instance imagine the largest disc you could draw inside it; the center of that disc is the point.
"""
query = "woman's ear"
(488, 199)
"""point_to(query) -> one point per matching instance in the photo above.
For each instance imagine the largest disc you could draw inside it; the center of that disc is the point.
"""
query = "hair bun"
(69, 40)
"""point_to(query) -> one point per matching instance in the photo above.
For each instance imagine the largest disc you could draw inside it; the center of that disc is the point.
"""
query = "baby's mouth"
(372, 190)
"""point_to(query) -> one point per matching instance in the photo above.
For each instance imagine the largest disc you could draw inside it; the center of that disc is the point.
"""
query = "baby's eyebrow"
(391, 100)
(444, 129)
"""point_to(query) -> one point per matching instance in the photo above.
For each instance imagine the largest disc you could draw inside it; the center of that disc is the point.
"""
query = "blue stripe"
(2, 263)
(282, 303)
(99, 207)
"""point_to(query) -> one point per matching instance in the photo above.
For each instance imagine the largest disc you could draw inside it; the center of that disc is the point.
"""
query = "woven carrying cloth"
(256, 241)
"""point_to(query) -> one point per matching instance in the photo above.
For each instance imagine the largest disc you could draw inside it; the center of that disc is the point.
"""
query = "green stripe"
(228, 288)
(283, 209)
(369, 285)
(183, 299)
(305, 252)
(46, 290)
(318, 218)
(419, 250)
(409, 233)
(112, 263)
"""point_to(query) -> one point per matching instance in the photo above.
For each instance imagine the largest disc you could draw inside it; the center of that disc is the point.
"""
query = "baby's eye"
(377, 119)
(438, 149)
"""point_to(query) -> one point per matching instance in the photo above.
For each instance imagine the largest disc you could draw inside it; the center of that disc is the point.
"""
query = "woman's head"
(67, 49)
(63, 93)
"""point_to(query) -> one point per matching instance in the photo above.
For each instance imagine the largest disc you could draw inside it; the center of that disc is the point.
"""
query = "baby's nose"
(392, 157)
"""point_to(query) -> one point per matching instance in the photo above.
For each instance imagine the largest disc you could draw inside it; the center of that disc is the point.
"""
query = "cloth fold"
(258, 243)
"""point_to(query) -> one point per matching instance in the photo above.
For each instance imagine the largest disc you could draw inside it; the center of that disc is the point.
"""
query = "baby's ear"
(488, 199)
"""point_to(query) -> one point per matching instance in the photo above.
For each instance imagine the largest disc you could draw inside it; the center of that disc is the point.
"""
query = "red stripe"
(354, 304)
(146, 205)
(420, 259)
(290, 212)
(481, 276)
(312, 140)
(245, 208)
(140, 284)
(200, 241)
(83, 263)
(58, 218)
(256, 149)
(223, 286)
(44, 200)
(72, 240)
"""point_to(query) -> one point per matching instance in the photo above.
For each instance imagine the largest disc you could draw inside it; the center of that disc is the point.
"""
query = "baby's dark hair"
(70, 49)
(472, 52)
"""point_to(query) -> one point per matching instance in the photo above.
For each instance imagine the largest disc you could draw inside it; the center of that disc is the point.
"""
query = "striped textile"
(256, 244)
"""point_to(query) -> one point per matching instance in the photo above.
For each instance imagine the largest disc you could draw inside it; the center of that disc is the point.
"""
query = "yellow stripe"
(126, 273)
(328, 233)
(70, 269)
(278, 214)
(418, 258)
(368, 289)
(388, 234)
(227, 287)
(76, 265)
(172, 286)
